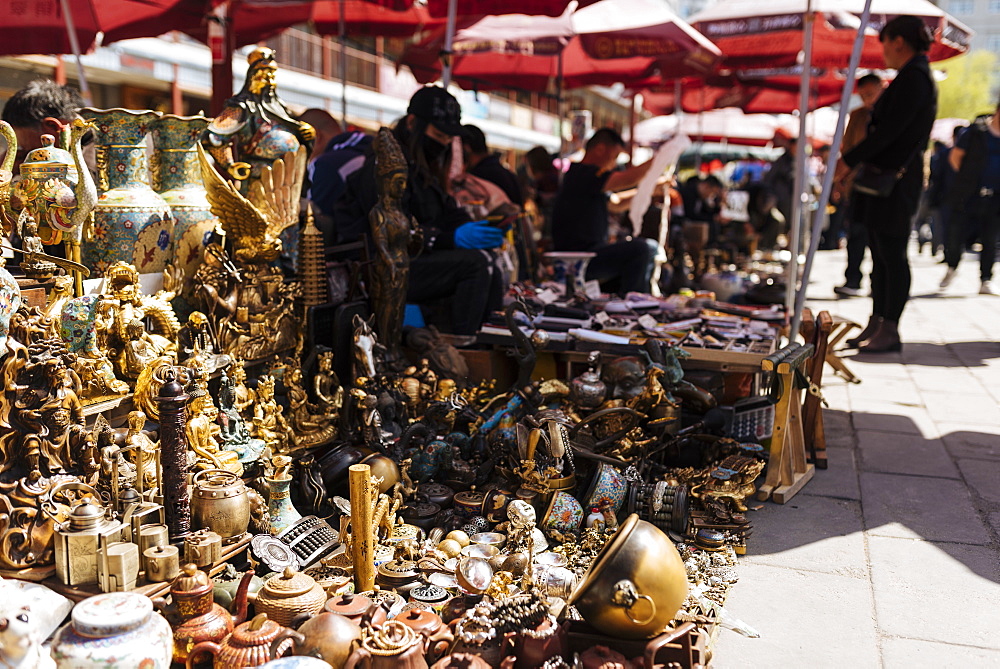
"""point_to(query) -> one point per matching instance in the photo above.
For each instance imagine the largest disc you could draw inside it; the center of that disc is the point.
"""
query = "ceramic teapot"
(194, 615)
(248, 646)
(391, 646)
(329, 636)
(438, 636)
(287, 595)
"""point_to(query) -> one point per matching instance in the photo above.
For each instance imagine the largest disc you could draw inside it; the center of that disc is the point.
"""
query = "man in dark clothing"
(485, 164)
(702, 197)
(974, 198)
(455, 263)
(580, 215)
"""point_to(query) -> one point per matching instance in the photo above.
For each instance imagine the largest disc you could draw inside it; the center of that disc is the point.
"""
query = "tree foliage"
(968, 88)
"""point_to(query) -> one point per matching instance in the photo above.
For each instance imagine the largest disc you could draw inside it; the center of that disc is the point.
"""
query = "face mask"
(433, 150)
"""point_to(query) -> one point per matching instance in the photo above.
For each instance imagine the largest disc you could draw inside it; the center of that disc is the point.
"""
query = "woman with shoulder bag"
(889, 174)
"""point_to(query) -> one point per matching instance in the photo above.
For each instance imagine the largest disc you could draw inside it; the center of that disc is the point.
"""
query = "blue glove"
(478, 235)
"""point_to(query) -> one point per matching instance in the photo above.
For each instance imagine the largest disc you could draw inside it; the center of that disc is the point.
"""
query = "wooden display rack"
(787, 470)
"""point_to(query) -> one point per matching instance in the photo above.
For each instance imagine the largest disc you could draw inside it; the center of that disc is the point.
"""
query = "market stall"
(174, 456)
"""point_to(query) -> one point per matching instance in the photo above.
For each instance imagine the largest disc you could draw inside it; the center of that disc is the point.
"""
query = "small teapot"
(289, 594)
(193, 614)
(328, 636)
(391, 646)
(438, 637)
(248, 646)
(355, 607)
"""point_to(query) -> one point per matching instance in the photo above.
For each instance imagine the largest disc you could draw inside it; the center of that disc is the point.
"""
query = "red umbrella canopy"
(608, 42)
(255, 20)
(753, 91)
(755, 34)
(494, 7)
(39, 26)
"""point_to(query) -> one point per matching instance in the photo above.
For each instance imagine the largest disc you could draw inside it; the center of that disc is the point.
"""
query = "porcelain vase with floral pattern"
(176, 177)
(132, 223)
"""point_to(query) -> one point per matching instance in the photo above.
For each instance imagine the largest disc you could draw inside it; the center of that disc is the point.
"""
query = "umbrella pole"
(831, 164)
(342, 35)
(559, 104)
(798, 188)
(74, 43)
(449, 38)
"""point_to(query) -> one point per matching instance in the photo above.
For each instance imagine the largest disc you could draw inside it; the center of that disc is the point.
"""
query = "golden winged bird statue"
(253, 224)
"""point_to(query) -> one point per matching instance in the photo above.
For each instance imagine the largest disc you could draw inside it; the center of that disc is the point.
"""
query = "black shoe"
(848, 291)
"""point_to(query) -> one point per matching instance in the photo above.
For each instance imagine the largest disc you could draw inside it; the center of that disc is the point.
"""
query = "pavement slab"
(900, 653)
(840, 479)
(983, 478)
(920, 507)
(936, 592)
(904, 454)
(796, 613)
(964, 440)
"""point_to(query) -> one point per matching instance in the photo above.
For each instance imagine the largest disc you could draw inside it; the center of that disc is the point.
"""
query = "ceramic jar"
(354, 607)
(635, 585)
(279, 504)
(132, 223)
(220, 503)
(288, 595)
(116, 629)
(564, 515)
(176, 176)
(609, 484)
(438, 636)
(248, 646)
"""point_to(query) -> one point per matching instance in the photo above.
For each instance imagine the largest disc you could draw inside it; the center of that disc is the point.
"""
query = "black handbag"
(876, 181)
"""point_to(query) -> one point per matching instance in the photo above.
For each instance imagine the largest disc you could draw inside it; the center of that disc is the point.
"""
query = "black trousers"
(466, 277)
(857, 242)
(627, 265)
(982, 213)
(890, 274)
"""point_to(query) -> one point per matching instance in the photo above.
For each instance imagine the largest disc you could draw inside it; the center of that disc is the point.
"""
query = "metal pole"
(798, 189)
(342, 33)
(559, 104)
(74, 43)
(449, 39)
(831, 165)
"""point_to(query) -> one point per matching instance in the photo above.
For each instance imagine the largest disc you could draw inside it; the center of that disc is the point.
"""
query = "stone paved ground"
(891, 557)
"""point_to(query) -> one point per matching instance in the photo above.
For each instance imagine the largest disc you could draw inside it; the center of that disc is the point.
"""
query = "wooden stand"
(787, 470)
(362, 531)
(818, 331)
(841, 328)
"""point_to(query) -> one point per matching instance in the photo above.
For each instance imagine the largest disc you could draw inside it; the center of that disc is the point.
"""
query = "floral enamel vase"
(608, 484)
(176, 176)
(564, 515)
(10, 301)
(132, 223)
(116, 629)
(279, 505)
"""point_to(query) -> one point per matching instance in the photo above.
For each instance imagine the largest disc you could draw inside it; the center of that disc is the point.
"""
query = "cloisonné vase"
(132, 223)
(177, 178)
(279, 504)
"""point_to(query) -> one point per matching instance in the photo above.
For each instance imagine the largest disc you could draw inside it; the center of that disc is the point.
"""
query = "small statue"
(34, 264)
(21, 644)
(326, 385)
(244, 396)
(268, 423)
(147, 452)
(203, 433)
(61, 294)
(369, 419)
(391, 228)
(139, 351)
(197, 345)
(308, 426)
(234, 433)
(365, 343)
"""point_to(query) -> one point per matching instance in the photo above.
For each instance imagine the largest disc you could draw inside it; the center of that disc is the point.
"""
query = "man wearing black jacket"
(455, 262)
(975, 197)
(898, 133)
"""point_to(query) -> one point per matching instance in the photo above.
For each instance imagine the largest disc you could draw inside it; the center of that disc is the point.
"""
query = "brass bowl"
(635, 586)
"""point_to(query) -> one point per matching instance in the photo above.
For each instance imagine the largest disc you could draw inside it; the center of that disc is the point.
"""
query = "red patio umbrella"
(770, 34)
(608, 42)
(40, 26)
(255, 20)
(439, 8)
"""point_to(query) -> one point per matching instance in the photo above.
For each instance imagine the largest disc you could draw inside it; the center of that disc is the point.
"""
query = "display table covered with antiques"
(207, 472)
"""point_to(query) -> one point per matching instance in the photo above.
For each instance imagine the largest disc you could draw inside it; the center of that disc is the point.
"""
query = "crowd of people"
(464, 199)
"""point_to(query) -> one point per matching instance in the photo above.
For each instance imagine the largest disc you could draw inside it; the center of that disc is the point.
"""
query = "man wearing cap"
(455, 263)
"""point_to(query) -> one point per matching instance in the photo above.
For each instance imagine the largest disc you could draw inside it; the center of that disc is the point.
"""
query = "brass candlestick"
(363, 493)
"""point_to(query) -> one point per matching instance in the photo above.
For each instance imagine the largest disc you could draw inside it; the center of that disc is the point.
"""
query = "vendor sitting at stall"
(455, 263)
(580, 216)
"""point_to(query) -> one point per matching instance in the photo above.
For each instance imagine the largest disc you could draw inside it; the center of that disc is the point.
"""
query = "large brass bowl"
(635, 586)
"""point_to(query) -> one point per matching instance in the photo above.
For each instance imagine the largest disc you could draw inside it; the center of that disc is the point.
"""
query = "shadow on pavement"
(864, 490)
(927, 354)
